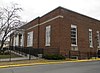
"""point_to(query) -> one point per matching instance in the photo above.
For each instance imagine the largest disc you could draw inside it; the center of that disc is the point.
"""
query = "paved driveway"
(81, 67)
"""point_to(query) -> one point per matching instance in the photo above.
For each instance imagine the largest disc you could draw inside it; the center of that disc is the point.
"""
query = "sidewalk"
(16, 59)
(13, 59)
(39, 62)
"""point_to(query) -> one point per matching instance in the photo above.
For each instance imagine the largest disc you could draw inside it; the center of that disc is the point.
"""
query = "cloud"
(34, 8)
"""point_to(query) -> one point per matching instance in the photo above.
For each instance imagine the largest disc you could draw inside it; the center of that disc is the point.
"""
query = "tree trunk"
(2, 43)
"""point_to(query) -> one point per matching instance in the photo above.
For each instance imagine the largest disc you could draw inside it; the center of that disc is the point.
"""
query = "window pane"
(98, 39)
(48, 30)
(29, 39)
(73, 35)
(90, 38)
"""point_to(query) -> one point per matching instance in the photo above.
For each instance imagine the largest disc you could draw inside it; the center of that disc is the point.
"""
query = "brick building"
(61, 31)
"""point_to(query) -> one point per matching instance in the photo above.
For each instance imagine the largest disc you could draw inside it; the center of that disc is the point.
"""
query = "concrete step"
(15, 52)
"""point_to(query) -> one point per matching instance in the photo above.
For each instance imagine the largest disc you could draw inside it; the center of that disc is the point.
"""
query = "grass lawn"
(28, 61)
(8, 56)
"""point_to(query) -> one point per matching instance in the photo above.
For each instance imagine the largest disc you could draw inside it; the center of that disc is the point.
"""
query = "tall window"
(73, 35)
(48, 31)
(90, 38)
(98, 39)
(30, 39)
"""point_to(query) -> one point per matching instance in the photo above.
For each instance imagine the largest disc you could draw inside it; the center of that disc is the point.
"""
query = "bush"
(1, 52)
(54, 57)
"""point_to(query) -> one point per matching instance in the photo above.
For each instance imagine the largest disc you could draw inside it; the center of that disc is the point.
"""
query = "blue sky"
(35, 8)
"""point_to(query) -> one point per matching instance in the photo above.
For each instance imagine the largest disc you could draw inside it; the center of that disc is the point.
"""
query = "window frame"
(91, 38)
(74, 26)
(98, 39)
(48, 35)
(30, 39)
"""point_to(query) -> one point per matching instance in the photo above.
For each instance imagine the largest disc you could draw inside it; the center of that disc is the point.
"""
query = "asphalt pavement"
(74, 67)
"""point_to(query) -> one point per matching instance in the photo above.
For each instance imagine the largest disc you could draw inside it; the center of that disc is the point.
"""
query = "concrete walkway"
(17, 59)
(14, 59)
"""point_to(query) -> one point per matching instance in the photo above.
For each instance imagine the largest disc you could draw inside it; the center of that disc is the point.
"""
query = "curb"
(30, 64)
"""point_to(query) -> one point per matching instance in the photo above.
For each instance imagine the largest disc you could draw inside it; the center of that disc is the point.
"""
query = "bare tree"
(9, 21)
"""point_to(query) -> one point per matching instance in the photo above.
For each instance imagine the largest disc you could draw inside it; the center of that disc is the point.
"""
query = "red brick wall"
(54, 48)
(35, 32)
(54, 45)
(61, 32)
(83, 24)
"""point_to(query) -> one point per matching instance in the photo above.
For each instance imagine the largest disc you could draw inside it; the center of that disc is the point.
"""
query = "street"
(81, 67)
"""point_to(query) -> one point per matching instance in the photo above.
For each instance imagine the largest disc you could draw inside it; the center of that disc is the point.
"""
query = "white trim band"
(59, 16)
(33, 27)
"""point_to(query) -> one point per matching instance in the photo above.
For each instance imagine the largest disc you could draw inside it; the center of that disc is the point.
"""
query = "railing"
(37, 51)
(27, 50)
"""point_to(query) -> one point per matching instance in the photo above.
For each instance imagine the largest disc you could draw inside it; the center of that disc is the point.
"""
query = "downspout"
(59, 31)
(38, 32)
